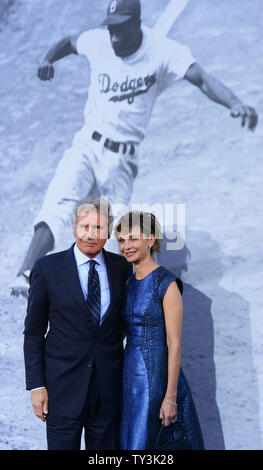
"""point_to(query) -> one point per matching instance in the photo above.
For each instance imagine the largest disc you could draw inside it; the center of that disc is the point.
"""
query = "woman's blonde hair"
(148, 223)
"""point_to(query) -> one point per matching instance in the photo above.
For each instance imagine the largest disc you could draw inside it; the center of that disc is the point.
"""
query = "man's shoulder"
(116, 258)
(157, 38)
(52, 258)
(90, 40)
(98, 32)
(161, 47)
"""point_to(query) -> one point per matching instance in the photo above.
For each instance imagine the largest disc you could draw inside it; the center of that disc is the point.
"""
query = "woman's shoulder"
(164, 277)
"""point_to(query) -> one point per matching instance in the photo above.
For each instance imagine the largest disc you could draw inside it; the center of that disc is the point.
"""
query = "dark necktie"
(93, 299)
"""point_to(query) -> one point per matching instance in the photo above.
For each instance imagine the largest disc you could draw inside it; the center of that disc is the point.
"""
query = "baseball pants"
(87, 170)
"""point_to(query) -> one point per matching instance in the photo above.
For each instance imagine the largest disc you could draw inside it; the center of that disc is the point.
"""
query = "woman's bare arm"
(173, 314)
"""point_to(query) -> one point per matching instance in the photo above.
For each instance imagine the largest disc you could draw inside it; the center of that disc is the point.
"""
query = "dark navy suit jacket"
(62, 358)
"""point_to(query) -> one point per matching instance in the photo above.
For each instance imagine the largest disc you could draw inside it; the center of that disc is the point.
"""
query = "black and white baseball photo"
(131, 225)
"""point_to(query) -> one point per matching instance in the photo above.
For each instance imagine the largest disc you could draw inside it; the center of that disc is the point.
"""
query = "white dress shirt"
(83, 266)
(83, 271)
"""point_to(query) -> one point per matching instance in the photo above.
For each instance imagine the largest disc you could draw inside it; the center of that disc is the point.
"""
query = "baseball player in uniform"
(130, 67)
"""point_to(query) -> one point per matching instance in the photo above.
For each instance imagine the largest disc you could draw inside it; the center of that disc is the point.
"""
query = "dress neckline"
(146, 275)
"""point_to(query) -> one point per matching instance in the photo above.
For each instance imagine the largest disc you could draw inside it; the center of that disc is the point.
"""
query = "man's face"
(125, 37)
(91, 232)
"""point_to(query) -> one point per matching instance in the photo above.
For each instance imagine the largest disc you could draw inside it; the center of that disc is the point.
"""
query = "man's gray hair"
(99, 205)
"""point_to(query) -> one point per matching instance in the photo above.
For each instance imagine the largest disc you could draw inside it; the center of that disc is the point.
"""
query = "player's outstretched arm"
(61, 49)
(218, 92)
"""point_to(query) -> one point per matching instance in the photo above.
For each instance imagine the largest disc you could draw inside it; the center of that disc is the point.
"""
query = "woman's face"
(125, 37)
(134, 245)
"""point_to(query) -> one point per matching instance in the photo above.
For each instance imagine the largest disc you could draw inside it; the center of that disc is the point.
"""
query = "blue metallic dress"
(145, 368)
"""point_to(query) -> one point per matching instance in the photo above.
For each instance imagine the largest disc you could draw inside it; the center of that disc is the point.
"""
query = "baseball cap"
(120, 11)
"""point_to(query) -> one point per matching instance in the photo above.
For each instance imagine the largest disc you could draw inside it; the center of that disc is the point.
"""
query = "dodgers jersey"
(123, 90)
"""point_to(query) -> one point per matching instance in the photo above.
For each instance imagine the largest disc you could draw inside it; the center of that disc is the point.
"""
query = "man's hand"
(218, 92)
(247, 113)
(62, 48)
(46, 71)
(39, 399)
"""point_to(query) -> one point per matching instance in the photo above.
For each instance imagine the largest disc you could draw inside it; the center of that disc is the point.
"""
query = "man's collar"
(82, 259)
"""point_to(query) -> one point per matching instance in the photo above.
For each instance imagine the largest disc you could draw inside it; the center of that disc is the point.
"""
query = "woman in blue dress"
(154, 388)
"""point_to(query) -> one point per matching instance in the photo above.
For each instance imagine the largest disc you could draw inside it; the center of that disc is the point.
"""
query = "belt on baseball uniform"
(114, 146)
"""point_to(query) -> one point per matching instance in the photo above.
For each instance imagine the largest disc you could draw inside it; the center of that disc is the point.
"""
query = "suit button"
(90, 364)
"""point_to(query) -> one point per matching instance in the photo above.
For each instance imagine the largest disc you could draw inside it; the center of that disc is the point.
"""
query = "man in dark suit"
(74, 369)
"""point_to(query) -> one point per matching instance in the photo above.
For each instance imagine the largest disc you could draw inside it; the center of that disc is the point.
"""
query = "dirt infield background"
(194, 154)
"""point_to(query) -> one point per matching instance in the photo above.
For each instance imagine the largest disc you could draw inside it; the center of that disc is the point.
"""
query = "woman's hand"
(168, 413)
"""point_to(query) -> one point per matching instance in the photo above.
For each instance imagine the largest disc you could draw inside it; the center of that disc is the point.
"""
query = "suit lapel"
(69, 272)
(112, 273)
